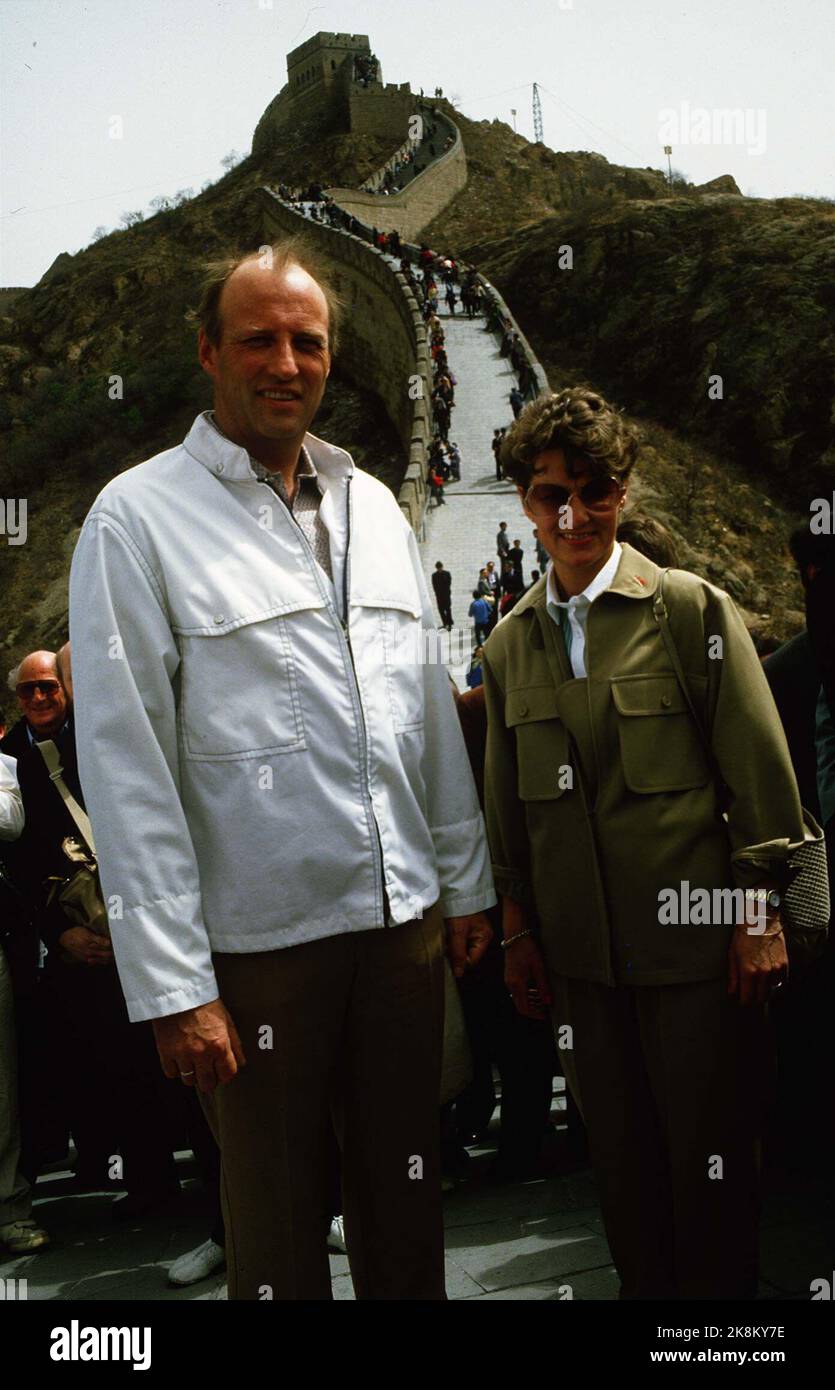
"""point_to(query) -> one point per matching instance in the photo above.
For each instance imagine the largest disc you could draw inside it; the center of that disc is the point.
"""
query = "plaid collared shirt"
(304, 506)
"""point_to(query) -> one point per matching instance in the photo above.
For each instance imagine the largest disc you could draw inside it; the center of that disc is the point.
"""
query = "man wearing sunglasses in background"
(44, 712)
(600, 799)
(75, 1034)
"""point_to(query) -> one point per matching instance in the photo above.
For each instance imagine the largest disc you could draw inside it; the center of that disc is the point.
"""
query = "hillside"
(746, 280)
(118, 308)
(663, 296)
(666, 292)
(512, 182)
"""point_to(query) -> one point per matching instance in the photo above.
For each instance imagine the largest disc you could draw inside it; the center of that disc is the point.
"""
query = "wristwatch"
(769, 896)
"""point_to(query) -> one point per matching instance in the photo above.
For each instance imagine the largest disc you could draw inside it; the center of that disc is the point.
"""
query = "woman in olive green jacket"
(644, 917)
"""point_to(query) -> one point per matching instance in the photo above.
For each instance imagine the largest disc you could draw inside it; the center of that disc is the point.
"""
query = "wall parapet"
(543, 386)
(424, 196)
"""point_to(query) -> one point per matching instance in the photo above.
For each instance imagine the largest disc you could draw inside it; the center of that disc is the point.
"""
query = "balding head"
(295, 251)
(40, 695)
(272, 360)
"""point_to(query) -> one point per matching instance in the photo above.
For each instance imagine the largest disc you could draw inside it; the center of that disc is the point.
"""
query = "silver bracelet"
(509, 940)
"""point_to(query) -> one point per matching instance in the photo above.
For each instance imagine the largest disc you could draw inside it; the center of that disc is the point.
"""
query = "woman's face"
(578, 540)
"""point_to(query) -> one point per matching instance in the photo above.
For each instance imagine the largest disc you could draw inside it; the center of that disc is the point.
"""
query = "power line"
(600, 129)
(523, 87)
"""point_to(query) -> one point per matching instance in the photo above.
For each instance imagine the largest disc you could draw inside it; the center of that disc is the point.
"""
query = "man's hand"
(757, 962)
(527, 979)
(200, 1046)
(467, 938)
(86, 946)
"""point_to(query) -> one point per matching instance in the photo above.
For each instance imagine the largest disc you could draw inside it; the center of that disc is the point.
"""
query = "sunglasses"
(597, 495)
(26, 690)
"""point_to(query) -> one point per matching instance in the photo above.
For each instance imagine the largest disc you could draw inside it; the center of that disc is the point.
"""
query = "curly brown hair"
(592, 434)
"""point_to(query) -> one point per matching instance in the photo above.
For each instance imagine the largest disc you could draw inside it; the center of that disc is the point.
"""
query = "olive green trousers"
(671, 1080)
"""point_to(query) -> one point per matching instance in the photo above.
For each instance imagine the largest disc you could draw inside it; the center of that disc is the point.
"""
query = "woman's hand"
(757, 962)
(526, 978)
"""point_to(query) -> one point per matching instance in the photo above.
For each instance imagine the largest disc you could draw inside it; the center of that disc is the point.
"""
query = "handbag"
(805, 908)
(77, 893)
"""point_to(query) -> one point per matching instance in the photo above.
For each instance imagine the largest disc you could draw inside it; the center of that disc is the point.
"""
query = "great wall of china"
(384, 342)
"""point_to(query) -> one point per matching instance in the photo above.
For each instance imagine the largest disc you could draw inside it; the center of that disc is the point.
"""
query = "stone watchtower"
(338, 76)
(322, 60)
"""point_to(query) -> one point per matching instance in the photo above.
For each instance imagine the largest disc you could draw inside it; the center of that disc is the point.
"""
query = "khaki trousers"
(670, 1080)
(341, 1036)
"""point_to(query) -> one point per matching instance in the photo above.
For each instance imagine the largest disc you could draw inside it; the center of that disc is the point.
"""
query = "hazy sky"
(190, 78)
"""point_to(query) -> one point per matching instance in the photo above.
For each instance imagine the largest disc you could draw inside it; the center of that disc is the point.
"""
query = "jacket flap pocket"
(530, 703)
(213, 615)
(643, 695)
(542, 749)
(396, 588)
(398, 602)
(657, 756)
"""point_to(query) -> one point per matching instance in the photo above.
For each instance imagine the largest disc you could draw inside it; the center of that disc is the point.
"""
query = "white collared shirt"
(577, 608)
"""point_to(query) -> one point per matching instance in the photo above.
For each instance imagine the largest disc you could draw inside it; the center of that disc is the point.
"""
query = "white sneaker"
(197, 1264)
(336, 1236)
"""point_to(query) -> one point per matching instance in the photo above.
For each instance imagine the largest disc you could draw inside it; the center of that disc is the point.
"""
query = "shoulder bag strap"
(50, 755)
(662, 617)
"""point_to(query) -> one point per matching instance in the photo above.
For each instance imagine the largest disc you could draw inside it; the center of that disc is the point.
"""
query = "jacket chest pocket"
(239, 691)
(543, 755)
(404, 648)
(660, 748)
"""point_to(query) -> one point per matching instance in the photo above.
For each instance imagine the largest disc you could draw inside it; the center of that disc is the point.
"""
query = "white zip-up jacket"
(255, 768)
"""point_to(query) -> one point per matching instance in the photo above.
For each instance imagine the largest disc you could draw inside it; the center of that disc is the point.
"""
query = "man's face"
(272, 362)
(44, 706)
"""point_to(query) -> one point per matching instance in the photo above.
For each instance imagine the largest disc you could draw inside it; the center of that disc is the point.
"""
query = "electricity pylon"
(537, 116)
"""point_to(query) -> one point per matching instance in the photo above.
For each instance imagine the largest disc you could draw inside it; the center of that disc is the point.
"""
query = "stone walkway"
(462, 533)
(540, 1239)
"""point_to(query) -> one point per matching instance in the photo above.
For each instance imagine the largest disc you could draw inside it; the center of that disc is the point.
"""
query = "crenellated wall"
(409, 211)
(383, 345)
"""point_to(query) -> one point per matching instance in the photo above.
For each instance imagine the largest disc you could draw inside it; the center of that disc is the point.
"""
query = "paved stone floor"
(532, 1240)
(462, 532)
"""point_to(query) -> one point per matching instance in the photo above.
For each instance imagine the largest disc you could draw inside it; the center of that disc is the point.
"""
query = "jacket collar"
(231, 462)
(636, 577)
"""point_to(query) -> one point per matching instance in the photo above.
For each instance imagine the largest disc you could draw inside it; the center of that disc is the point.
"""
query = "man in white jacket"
(281, 799)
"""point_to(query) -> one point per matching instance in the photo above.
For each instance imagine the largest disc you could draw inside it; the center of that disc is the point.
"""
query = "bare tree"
(162, 203)
(229, 160)
(99, 233)
(182, 196)
(131, 219)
